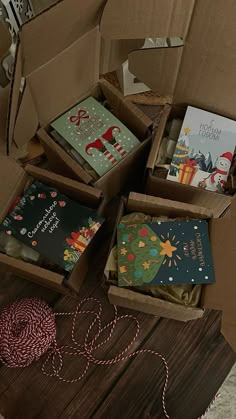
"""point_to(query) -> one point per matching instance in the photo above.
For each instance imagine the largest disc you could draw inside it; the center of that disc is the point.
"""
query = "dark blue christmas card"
(160, 253)
(52, 224)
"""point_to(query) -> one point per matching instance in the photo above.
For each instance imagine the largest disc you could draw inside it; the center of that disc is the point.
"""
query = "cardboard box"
(59, 57)
(158, 186)
(219, 296)
(17, 178)
(129, 171)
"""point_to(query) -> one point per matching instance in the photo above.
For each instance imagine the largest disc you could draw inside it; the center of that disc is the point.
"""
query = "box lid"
(60, 49)
(202, 72)
(221, 295)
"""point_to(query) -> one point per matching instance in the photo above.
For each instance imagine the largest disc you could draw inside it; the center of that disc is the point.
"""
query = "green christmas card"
(96, 134)
(176, 252)
(52, 224)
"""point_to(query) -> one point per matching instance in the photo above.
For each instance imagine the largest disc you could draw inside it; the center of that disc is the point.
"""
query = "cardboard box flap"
(11, 175)
(56, 29)
(164, 61)
(27, 117)
(77, 71)
(209, 57)
(5, 39)
(14, 97)
(127, 19)
(154, 206)
(221, 295)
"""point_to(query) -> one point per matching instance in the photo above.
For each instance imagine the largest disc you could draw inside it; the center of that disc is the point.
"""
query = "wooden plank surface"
(198, 358)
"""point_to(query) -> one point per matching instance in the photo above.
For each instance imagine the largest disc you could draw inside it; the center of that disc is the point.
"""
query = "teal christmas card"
(204, 150)
(176, 252)
(96, 134)
(55, 226)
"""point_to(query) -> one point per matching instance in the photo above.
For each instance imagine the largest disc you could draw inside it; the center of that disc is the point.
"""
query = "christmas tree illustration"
(141, 254)
(181, 153)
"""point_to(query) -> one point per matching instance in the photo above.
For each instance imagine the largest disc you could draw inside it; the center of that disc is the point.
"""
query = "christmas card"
(204, 150)
(52, 224)
(175, 252)
(96, 134)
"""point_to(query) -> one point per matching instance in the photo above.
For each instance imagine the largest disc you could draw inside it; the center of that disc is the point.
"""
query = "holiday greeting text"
(194, 250)
(89, 127)
(49, 222)
(209, 131)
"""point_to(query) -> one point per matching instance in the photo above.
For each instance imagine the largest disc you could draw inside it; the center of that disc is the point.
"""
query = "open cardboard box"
(59, 56)
(168, 189)
(218, 296)
(17, 178)
(61, 53)
(200, 73)
(129, 171)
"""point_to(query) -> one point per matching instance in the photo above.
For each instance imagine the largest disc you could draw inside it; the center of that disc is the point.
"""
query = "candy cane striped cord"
(89, 346)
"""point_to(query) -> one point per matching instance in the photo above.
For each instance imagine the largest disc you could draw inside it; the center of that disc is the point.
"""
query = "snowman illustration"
(217, 179)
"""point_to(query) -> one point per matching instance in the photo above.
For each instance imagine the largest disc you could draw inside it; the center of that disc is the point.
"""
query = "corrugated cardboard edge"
(128, 110)
(158, 137)
(59, 160)
(151, 305)
(33, 272)
(221, 295)
(140, 202)
(92, 195)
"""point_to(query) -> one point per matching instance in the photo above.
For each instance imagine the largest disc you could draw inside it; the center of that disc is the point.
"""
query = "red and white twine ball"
(28, 331)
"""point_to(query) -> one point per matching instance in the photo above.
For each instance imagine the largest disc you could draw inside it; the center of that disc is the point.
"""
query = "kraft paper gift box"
(218, 296)
(91, 197)
(61, 70)
(158, 186)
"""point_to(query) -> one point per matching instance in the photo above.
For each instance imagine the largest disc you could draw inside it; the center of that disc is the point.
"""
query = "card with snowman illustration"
(96, 134)
(204, 150)
(164, 252)
(54, 225)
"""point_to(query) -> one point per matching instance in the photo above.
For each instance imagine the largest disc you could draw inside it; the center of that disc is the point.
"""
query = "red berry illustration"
(41, 195)
(18, 217)
(9, 232)
(53, 194)
(34, 243)
(32, 197)
(62, 203)
(143, 232)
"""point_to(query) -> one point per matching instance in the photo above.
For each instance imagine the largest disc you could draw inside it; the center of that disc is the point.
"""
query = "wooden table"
(198, 357)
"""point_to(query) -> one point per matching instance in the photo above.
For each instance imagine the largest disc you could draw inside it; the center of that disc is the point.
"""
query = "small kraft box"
(192, 74)
(158, 185)
(59, 72)
(219, 295)
(13, 180)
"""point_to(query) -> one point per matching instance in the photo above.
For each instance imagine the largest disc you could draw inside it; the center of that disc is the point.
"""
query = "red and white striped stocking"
(98, 145)
(108, 136)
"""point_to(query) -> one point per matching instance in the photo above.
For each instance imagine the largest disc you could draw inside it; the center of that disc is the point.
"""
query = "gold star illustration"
(187, 131)
(168, 249)
(123, 269)
(146, 265)
(123, 251)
